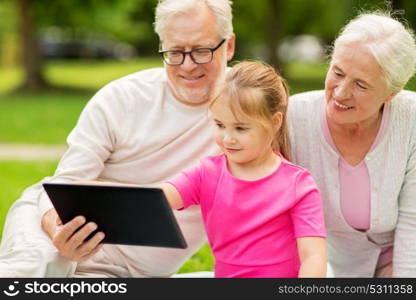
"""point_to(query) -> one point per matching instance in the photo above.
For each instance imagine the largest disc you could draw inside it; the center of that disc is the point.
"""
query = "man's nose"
(188, 63)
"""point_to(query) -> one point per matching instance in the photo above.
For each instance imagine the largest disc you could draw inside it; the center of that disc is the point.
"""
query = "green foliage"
(131, 21)
(128, 20)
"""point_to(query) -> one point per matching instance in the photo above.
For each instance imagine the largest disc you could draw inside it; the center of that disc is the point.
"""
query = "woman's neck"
(354, 141)
(257, 168)
(357, 130)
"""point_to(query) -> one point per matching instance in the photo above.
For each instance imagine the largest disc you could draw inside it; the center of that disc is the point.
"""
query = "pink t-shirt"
(252, 226)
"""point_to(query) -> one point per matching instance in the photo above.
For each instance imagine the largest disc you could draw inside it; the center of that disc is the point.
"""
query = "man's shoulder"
(147, 76)
(143, 86)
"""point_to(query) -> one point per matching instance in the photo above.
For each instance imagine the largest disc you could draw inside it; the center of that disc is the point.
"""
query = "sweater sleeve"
(90, 143)
(307, 213)
(404, 254)
(188, 184)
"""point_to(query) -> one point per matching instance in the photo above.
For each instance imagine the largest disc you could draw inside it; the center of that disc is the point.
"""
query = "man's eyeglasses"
(198, 55)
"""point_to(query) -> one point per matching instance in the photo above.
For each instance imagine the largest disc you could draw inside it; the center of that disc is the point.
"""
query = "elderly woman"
(358, 138)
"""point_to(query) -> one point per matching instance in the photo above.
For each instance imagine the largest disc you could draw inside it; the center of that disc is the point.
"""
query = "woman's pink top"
(355, 184)
(252, 226)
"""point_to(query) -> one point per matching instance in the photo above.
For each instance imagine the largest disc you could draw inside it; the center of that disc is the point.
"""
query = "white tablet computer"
(127, 215)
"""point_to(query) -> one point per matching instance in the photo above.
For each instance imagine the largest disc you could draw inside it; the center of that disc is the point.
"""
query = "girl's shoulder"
(213, 163)
(294, 170)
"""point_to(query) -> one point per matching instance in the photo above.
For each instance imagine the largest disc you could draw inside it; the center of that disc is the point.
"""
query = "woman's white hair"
(168, 8)
(388, 40)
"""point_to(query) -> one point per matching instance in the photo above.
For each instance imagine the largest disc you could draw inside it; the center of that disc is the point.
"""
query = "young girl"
(262, 214)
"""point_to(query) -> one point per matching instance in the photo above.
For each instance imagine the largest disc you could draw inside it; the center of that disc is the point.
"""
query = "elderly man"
(142, 128)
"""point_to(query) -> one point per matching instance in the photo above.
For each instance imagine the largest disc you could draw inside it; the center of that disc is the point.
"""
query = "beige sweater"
(132, 131)
(392, 170)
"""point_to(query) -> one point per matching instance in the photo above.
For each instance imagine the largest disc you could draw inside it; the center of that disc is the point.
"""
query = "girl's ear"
(277, 121)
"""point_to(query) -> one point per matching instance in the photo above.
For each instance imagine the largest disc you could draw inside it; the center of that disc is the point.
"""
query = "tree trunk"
(273, 32)
(396, 5)
(31, 57)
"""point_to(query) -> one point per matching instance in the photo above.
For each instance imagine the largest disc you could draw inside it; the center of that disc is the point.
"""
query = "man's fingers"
(70, 239)
(91, 247)
(58, 220)
(67, 230)
(79, 237)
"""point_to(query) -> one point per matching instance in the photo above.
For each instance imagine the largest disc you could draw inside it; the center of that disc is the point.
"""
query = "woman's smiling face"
(355, 87)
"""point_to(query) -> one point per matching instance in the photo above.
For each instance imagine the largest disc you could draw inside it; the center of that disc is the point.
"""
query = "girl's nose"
(228, 138)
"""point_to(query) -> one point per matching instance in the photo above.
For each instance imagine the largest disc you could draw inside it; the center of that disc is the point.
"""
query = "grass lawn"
(15, 176)
(39, 119)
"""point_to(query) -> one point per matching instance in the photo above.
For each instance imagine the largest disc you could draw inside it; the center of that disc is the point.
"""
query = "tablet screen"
(127, 215)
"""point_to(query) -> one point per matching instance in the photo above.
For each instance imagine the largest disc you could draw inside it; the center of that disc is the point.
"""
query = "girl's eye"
(241, 128)
(219, 125)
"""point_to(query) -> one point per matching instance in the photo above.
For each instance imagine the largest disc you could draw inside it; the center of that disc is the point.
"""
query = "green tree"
(128, 20)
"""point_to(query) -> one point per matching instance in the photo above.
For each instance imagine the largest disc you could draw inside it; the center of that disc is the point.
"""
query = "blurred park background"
(54, 54)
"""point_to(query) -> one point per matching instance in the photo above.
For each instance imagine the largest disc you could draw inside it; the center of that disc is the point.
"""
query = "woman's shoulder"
(307, 96)
(302, 103)
(403, 106)
(404, 99)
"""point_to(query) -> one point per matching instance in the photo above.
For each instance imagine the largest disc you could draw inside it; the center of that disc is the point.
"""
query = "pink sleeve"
(307, 214)
(188, 184)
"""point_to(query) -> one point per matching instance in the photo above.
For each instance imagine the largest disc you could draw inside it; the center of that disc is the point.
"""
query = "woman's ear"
(277, 121)
(389, 98)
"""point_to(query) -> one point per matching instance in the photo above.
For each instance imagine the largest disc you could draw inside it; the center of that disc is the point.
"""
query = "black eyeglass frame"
(184, 53)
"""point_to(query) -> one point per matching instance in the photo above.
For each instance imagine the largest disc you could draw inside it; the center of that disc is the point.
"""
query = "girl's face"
(243, 141)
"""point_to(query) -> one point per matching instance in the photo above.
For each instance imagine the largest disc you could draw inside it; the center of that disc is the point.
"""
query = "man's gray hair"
(221, 9)
(388, 40)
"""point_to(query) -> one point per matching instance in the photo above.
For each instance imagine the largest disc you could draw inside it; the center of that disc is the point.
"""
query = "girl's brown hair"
(255, 90)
